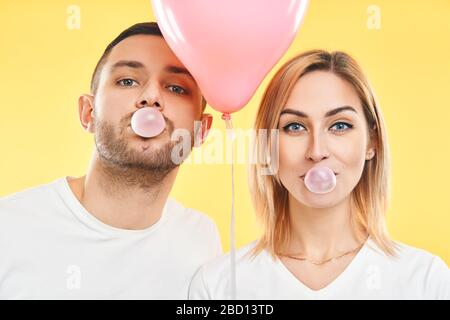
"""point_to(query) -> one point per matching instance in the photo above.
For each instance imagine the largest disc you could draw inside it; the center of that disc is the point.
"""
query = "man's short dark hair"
(148, 28)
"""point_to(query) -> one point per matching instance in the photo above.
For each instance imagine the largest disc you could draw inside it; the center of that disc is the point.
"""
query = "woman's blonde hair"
(369, 198)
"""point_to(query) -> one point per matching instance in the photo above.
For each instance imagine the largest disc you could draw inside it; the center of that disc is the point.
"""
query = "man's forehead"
(150, 50)
(137, 65)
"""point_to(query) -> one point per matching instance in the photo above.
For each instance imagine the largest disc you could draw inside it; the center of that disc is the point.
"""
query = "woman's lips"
(303, 176)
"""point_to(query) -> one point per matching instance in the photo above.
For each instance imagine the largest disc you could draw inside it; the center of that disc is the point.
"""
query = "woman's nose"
(317, 148)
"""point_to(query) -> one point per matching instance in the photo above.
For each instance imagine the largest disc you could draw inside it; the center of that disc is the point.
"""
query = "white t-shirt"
(414, 274)
(52, 248)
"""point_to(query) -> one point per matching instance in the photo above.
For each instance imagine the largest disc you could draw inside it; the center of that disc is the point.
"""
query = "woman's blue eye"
(177, 89)
(293, 127)
(127, 82)
(341, 126)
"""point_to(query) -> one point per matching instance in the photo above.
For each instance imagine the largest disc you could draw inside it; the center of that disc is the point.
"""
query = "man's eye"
(177, 89)
(294, 127)
(341, 126)
(127, 82)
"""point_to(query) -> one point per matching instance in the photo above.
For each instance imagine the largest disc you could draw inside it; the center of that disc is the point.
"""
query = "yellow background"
(45, 66)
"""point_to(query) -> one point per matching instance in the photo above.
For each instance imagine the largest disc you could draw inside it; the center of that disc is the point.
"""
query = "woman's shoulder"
(212, 279)
(405, 254)
(415, 255)
(244, 257)
(414, 266)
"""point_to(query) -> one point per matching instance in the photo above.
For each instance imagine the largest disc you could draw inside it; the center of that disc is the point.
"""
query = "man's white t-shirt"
(52, 248)
(413, 274)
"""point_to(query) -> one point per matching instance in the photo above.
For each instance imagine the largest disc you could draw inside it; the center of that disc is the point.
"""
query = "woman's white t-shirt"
(413, 274)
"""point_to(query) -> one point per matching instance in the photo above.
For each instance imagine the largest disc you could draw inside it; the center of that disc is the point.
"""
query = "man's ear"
(206, 120)
(85, 112)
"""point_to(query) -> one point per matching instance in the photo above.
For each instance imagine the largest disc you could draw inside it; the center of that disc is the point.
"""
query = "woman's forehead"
(318, 92)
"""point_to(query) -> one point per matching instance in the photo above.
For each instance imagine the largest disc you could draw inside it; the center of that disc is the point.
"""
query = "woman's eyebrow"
(328, 114)
(294, 112)
(340, 109)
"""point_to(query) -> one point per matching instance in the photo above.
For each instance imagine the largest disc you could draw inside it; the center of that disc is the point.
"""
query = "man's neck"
(123, 198)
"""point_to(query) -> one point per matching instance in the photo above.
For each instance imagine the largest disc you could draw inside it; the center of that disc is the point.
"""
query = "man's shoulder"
(192, 229)
(187, 217)
(29, 198)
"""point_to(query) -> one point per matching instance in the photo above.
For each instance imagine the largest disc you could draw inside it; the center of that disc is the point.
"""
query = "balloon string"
(230, 132)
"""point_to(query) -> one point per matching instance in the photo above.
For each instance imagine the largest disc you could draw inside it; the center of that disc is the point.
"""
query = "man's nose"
(151, 97)
(317, 148)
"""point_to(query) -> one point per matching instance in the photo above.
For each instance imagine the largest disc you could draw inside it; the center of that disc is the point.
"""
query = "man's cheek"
(184, 125)
(181, 119)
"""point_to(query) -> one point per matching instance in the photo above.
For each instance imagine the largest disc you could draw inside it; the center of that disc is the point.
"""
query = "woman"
(331, 244)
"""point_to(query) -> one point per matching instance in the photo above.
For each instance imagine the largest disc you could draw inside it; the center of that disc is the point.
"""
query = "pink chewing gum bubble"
(320, 180)
(148, 122)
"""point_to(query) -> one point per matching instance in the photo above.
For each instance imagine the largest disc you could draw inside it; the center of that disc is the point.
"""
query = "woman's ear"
(206, 122)
(370, 150)
(370, 154)
(372, 145)
(85, 111)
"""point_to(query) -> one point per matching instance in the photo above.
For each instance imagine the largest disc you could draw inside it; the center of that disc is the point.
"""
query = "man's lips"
(129, 126)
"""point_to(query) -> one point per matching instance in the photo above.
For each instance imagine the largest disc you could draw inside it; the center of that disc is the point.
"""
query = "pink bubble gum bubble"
(148, 122)
(320, 180)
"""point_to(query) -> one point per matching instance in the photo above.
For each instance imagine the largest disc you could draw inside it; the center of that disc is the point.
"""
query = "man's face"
(143, 71)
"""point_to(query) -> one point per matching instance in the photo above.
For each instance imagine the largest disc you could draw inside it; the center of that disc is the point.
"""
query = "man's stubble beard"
(129, 167)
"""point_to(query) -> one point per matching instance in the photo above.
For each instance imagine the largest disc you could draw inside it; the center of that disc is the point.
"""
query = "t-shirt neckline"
(338, 281)
(89, 219)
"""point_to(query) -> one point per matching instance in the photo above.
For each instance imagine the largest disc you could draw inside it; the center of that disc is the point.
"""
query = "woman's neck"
(320, 233)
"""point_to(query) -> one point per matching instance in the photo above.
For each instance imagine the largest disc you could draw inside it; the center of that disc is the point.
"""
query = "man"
(114, 233)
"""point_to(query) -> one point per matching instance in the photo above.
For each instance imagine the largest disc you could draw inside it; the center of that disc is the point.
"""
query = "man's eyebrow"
(178, 70)
(127, 63)
(139, 65)
(328, 114)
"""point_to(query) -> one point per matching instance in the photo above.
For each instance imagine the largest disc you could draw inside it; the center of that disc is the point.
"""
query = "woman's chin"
(319, 201)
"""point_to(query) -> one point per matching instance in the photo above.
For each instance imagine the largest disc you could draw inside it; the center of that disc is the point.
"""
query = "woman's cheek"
(349, 149)
(291, 157)
(288, 153)
(350, 156)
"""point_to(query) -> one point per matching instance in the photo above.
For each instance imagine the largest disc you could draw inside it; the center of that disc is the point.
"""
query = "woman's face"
(322, 124)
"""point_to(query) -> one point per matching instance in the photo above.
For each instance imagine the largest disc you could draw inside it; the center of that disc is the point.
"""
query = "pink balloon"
(147, 122)
(320, 180)
(229, 45)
